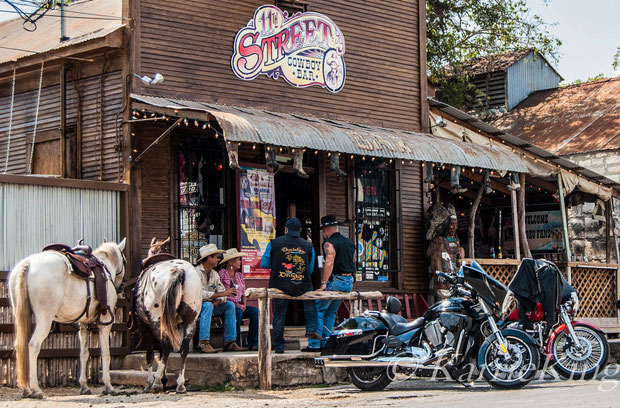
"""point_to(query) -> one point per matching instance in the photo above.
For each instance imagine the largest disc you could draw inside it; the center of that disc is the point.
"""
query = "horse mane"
(109, 250)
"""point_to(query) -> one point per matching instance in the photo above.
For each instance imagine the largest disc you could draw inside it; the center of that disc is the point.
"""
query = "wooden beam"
(521, 203)
(515, 223)
(472, 218)
(446, 185)
(478, 177)
(264, 345)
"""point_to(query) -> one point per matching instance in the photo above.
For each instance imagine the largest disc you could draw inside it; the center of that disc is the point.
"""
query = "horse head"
(158, 246)
(112, 254)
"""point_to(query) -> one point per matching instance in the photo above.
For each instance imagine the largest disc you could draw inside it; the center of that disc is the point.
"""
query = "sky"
(590, 35)
(589, 31)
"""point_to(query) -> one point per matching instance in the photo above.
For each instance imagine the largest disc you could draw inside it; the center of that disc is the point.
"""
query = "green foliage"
(462, 30)
(590, 79)
(616, 62)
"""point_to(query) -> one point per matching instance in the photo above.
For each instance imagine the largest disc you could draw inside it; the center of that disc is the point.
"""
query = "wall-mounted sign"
(305, 49)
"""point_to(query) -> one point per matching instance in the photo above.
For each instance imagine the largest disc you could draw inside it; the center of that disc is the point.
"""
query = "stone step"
(135, 378)
(614, 350)
(239, 369)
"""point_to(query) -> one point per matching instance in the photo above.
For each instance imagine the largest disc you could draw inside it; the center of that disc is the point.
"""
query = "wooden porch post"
(521, 203)
(515, 223)
(472, 216)
(613, 231)
(264, 344)
(564, 227)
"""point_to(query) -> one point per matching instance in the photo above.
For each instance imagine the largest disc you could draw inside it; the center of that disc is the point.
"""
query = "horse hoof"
(148, 388)
(157, 388)
(85, 391)
(35, 395)
(181, 389)
(26, 394)
(110, 391)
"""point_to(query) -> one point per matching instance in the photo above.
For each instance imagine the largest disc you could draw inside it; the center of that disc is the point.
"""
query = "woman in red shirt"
(231, 276)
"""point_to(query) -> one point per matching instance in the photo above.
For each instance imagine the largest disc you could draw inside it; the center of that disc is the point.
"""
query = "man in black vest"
(291, 260)
(337, 276)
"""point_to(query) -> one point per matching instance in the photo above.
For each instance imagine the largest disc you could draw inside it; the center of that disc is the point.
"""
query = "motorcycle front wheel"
(511, 371)
(582, 361)
(369, 378)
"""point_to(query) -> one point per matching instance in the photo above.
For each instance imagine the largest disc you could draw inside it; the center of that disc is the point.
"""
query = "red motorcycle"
(547, 306)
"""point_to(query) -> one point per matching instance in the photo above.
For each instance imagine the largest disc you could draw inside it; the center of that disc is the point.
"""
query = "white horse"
(44, 284)
(168, 301)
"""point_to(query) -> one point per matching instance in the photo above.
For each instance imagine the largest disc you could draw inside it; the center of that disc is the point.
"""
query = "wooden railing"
(264, 339)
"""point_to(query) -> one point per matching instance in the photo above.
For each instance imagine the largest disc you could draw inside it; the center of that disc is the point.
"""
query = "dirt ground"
(546, 392)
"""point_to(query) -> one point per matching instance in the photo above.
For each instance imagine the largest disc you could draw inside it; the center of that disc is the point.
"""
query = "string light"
(196, 123)
(185, 121)
(254, 147)
(316, 152)
(204, 126)
(351, 157)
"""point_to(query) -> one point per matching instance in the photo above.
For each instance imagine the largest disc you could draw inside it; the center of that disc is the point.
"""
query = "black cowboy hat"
(328, 221)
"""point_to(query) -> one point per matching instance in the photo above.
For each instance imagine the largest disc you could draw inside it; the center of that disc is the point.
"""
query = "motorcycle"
(575, 349)
(456, 336)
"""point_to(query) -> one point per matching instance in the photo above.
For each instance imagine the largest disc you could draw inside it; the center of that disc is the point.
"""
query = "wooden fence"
(58, 363)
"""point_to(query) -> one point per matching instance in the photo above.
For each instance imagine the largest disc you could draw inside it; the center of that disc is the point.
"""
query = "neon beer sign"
(305, 49)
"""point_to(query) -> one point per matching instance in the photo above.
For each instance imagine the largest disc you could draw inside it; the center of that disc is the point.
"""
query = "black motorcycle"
(458, 337)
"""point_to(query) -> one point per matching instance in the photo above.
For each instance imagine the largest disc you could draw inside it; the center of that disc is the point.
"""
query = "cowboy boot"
(487, 182)
(514, 182)
(455, 176)
(334, 166)
(270, 160)
(298, 161)
(233, 156)
(428, 169)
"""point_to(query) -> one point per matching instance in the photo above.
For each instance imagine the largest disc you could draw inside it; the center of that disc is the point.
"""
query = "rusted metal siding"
(529, 74)
(34, 216)
(97, 107)
(297, 131)
(191, 44)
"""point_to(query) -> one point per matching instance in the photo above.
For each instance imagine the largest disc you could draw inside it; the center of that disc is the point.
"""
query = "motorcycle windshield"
(488, 288)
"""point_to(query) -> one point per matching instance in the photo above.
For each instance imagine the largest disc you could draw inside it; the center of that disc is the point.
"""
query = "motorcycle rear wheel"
(369, 378)
(512, 373)
(580, 363)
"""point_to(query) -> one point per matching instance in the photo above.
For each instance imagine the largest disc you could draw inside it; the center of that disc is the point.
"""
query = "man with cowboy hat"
(214, 302)
(337, 276)
(291, 260)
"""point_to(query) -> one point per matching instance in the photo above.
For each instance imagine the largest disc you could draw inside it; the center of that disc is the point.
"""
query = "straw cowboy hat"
(231, 253)
(207, 250)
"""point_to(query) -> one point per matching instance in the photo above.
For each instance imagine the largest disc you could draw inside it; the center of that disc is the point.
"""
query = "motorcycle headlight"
(508, 304)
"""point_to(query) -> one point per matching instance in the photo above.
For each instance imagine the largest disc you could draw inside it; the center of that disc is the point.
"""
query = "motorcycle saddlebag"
(355, 336)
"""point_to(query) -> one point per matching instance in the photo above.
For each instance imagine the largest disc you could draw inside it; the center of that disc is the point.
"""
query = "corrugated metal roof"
(498, 62)
(86, 20)
(280, 129)
(572, 119)
(515, 141)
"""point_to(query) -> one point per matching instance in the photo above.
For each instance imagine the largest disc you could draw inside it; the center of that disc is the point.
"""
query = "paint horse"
(168, 297)
(44, 284)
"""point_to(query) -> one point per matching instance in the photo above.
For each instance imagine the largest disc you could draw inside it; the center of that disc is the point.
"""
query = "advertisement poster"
(372, 254)
(256, 218)
(543, 230)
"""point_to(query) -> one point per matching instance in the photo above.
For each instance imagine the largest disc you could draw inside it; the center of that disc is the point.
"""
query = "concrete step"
(239, 369)
(614, 351)
(135, 378)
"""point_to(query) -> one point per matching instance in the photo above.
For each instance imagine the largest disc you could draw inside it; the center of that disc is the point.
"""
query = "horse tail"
(170, 301)
(23, 322)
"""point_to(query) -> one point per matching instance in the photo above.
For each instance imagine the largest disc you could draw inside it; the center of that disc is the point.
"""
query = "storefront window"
(201, 195)
(374, 220)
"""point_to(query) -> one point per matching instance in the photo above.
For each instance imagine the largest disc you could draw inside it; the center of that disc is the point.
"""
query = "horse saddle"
(152, 260)
(84, 264)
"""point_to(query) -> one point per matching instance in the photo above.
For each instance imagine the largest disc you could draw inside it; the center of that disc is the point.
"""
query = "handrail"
(264, 339)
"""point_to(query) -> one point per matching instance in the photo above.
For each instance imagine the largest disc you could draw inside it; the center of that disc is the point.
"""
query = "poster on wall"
(305, 49)
(543, 230)
(256, 217)
(372, 250)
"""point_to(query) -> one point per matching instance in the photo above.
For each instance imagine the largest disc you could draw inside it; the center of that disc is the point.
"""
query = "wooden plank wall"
(191, 43)
(156, 185)
(337, 197)
(83, 98)
(412, 222)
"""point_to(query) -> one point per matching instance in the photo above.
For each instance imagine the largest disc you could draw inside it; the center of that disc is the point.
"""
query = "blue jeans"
(327, 309)
(230, 321)
(279, 317)
(251, 313)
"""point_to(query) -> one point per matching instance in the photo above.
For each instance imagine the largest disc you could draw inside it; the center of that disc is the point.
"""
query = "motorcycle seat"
(401, 328)
(398, 324)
